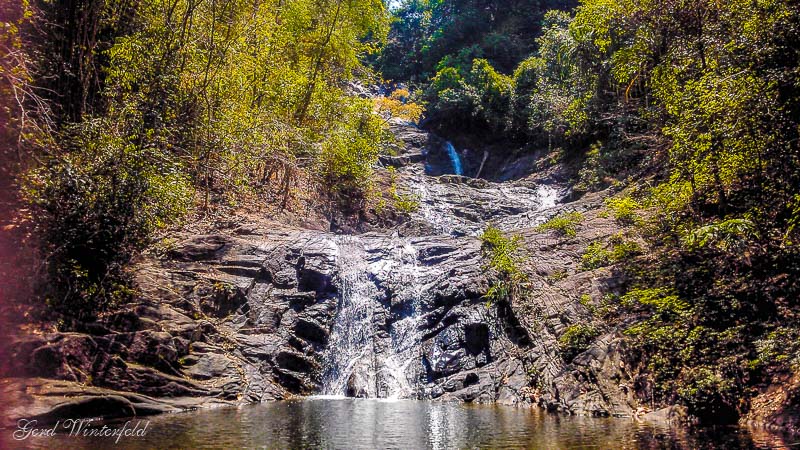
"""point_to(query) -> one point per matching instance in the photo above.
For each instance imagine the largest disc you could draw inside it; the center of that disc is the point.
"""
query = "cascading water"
(375, 347)
(360, 362)
(454, 158)
(350, 362)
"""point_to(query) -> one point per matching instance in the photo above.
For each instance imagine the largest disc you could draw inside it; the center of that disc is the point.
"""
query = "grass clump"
(557, 276)
(503, 257)
(563, 224)
(405, 204)
(576, 340)
(598, 254)
(624, 209)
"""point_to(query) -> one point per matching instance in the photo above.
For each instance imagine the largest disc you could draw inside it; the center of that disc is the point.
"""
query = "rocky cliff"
(255, 311)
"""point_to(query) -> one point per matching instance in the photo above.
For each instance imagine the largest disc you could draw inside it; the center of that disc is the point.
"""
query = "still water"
(405, 424)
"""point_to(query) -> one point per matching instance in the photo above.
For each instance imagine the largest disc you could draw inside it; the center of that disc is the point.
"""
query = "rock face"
(256, 312)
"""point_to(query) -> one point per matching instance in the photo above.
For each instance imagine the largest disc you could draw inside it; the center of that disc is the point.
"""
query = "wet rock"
(222, 299)
(50, 400)
(356, 387)
(208, 366)
(246, 314)
(105, 406)
(476, 337)
(311, 331)
(294, 362)
(671, 415)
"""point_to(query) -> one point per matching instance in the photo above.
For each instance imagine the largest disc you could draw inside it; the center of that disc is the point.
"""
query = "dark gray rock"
(198, 248)
(246, 315)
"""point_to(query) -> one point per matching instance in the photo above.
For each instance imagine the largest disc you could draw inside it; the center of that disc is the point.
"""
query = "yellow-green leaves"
(565, 224)
(399, 105)
(243, 85)
(504, 257)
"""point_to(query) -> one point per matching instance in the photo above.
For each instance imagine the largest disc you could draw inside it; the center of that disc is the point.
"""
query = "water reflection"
(326, 422)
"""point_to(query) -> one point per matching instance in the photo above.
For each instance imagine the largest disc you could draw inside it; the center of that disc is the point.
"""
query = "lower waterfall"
(383, 281)
(370, 355)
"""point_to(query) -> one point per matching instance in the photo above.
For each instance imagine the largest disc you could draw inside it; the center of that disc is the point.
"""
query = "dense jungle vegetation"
(121, 118)
(126, 116)
(691, 107)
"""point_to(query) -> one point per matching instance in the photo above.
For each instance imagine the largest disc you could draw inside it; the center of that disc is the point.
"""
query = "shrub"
(780, 347)
(732, 235)
(599, 255)
(349, 153)
(622, 248)
(398, 105)
(503, 257)
(624, 210)
(492, 94)
(94, 207)
(595, 256)
(564, 224)
(502, 250)
(592, 175)
(406, 203)
(576, 339)
(707, 392)
(662, 300)
(481, 96)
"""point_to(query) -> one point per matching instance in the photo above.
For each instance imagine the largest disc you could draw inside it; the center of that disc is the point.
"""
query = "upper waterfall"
(454, 158)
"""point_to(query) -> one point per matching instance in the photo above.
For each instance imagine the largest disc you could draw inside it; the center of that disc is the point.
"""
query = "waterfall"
(351, 355)
(403, 363)
(361, 360)
(375, 346)
(454, 158)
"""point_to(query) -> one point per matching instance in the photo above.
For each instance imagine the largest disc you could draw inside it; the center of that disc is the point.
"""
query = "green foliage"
(95, 208)
(592, 175)
(504, 258)
(403, 203)
(794, 219)
(704, 388)
(565, 224)
(349, 151)
(625, 210)
(703, 97)
(597, 254)
(490, 94)
(250, 88)
(406, 203)
(780, 347)
(661, 300)
(576, 339)
(557, 276)
(503, 251)
(586, 301)
(732, 235)
(481, 95)
(153, 101)
(552, 102)
(427, 35)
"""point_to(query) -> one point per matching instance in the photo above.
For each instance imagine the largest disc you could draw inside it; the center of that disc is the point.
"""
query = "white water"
(454, 158)
(374, 349)
(492, 204)
(358, 363)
